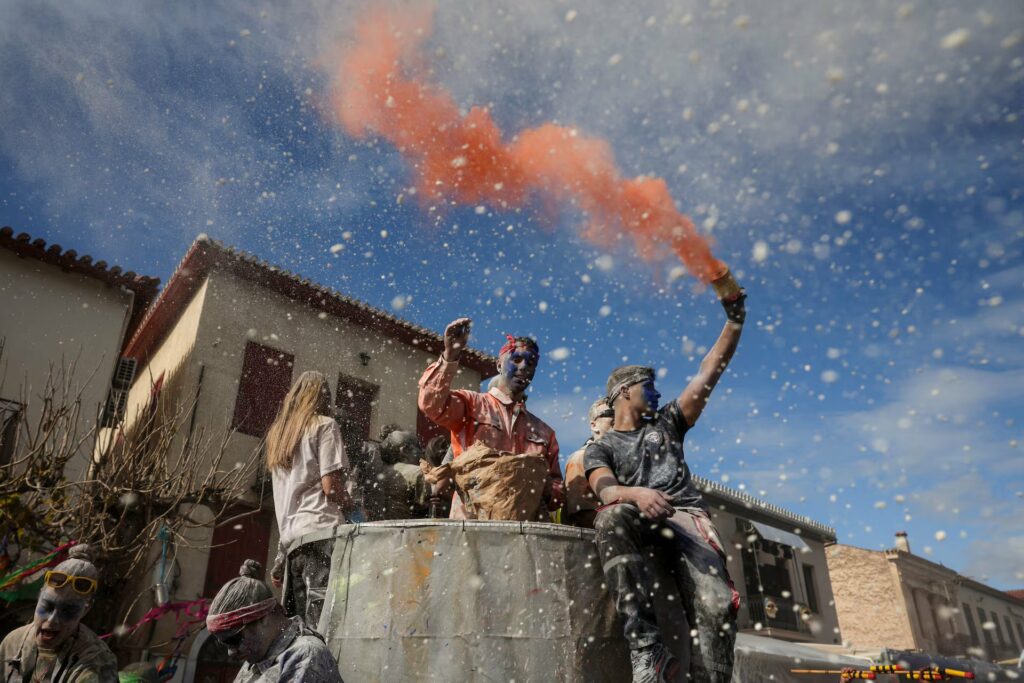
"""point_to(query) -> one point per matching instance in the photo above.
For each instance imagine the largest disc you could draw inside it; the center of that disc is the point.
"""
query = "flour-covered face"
(251, 643)
(58, 613)
(601, 425)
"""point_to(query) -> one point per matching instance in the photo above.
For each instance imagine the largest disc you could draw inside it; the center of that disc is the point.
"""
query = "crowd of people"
(629, 482)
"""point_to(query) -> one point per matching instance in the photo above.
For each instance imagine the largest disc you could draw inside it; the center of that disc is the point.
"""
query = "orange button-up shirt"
(580, 500)
(493, 418)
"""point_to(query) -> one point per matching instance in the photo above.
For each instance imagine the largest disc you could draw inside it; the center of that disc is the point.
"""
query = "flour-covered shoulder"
(309, 660)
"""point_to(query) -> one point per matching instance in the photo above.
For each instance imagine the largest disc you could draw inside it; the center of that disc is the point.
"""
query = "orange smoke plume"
(378, 90)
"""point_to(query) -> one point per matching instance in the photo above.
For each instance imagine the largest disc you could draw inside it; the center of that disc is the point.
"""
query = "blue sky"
(858, 165)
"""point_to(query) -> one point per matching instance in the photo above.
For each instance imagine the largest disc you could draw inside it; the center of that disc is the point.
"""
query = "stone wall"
(869, 602)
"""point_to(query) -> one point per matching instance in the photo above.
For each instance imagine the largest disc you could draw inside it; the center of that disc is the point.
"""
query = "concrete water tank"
(424, 600)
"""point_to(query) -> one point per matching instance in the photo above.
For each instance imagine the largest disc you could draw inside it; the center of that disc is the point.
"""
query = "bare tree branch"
(135, 481)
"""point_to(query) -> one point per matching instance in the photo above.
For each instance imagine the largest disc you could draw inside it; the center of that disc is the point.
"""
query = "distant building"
(895, 599)
(776, 558)
(64, 313)
(228, 335)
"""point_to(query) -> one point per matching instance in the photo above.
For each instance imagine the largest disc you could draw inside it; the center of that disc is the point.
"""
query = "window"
(987, 632)
(812, 590)
(266, 378)
(117, 399)
(10, 411)
(1010, 638)
(999, 629)
(970, 625)
(767, 579)
(354, 401)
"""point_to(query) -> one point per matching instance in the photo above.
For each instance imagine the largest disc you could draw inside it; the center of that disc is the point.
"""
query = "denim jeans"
(690, 546)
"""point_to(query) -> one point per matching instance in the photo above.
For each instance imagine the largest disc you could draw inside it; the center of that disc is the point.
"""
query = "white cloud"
(185, 92)
(999, 557)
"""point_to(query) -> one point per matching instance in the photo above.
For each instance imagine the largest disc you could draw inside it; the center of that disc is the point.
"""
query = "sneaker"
(653, 664)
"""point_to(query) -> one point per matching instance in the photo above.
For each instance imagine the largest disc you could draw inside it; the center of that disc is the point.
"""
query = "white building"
(63, 313)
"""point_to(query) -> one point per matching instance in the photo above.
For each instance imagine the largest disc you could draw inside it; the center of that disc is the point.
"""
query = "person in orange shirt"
(498, 418)
(580, 501)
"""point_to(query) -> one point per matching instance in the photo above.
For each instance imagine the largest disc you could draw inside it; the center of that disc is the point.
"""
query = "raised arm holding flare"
(696, 394)
(498, 418)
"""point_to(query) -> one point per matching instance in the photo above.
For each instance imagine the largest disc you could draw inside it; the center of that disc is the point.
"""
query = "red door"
(244, 535)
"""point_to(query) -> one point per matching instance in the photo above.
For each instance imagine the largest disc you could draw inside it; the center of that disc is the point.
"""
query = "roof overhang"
(206, 255)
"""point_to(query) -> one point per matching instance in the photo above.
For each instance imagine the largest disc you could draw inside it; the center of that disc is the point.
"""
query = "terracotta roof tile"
(143, 287)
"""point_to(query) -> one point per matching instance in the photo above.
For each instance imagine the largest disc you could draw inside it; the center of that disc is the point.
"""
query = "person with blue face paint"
(56, 647)
(497, 418)
(651, 504)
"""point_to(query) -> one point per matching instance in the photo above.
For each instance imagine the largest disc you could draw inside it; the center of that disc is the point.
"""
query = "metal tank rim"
(521, 528)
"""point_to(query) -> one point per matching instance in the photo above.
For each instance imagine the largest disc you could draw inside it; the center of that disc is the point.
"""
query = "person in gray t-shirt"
(638, 470)
(309, 471)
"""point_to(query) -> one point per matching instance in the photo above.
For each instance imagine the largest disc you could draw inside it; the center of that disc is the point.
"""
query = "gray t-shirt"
(651, 456)
(299, 499)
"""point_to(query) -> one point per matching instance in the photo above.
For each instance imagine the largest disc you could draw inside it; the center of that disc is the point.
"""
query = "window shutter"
(354, 401)
(265, 381)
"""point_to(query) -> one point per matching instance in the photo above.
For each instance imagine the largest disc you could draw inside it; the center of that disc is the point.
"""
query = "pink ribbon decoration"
(194, 609)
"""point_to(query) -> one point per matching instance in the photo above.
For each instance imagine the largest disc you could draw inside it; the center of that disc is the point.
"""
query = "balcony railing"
(785, 616)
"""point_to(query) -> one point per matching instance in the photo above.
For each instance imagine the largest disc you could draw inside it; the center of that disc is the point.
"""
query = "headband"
(640, 374)
(509, 346)
(236, 619)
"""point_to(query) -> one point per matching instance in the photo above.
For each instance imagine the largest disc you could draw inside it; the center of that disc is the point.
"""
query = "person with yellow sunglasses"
(56, 646)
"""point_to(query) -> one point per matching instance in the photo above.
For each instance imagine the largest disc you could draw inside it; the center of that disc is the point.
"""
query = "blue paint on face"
(651, 395)
(57, 610)
(518, 368)
(56, 617)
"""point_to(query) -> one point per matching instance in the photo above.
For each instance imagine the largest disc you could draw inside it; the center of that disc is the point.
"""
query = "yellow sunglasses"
(80, 584)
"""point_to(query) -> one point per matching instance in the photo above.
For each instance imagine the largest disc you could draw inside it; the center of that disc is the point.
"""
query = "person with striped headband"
(498, 418)
(651, 504)
(57, 646)
(247, 619)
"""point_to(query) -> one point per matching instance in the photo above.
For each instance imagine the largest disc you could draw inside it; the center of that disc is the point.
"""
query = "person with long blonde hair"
(308, 467)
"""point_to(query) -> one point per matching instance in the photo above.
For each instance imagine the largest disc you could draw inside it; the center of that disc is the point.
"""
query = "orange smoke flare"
(377, 90)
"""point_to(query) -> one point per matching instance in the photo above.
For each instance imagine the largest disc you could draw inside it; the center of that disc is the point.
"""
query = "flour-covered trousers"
(689, 544)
